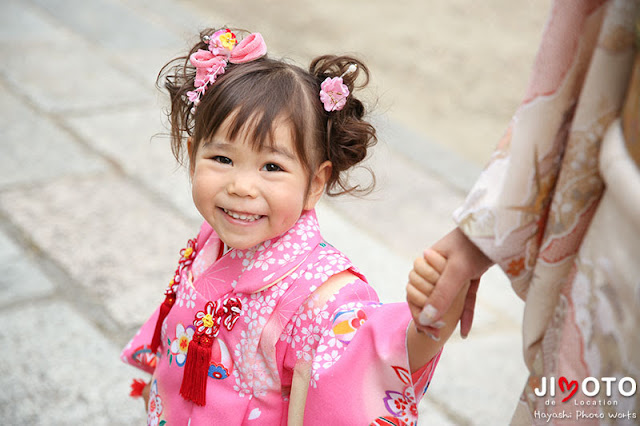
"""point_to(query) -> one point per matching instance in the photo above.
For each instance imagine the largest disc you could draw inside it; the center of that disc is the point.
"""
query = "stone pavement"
(93, 208)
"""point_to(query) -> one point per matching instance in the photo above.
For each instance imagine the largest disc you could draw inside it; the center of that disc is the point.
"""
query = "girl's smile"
(242, 217)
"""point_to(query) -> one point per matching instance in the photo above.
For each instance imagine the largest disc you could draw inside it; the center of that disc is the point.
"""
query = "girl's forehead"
(279, 135)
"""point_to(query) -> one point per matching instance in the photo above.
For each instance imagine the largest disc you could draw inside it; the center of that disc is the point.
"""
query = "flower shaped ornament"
(180, 344)
(207, 322)
(223, 47)
(188, 254)
(172, 289)
(333, 94)
(333, 91)
(232, 309)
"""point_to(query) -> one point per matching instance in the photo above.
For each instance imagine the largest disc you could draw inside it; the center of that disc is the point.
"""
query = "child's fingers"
(425, 270)
(416, 296)
(435, 260)
(422, 285)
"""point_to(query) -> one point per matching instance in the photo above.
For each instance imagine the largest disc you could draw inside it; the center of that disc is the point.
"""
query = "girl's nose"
(243, 184)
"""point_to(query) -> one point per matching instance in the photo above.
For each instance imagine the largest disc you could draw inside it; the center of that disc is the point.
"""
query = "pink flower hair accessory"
(223, 47)
(333, 91)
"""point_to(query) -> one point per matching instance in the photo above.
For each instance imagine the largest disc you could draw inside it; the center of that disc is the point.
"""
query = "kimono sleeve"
(534, 201)
(359, 371)
(137, 352)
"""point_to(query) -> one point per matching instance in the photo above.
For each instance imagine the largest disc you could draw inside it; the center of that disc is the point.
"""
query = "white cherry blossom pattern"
(187, 296)
(308, 326)
(270, 253)
(289, 248)
(306, 230)
(304, 331)
(320, 272)
(264, 261)
(334, 258)
(237, 254)
(257, 373)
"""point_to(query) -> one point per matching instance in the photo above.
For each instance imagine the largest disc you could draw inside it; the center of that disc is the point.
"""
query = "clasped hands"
(449, 271)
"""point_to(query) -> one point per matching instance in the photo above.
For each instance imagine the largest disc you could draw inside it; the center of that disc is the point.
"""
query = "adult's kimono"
(298, 337)
(558, 208)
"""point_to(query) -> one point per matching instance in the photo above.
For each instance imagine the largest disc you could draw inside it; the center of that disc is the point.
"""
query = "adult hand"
(465, 262)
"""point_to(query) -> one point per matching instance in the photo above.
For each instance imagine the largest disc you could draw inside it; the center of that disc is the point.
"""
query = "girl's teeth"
(248, 218)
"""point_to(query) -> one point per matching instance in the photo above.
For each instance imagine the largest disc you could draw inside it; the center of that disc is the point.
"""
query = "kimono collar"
(256, 268)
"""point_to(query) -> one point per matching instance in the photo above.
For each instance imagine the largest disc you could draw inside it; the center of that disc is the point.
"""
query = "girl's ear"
(318, 182)
(189, 148)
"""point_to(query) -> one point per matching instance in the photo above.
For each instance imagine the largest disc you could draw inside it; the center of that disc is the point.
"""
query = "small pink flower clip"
(334, 93)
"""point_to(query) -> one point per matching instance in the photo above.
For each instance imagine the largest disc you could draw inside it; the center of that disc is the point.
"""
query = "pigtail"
(348, 136)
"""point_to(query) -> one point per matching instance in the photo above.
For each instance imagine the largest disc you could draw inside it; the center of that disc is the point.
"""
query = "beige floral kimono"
(558, 208)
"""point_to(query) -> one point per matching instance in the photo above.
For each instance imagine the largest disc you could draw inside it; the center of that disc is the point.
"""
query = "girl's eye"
(222, 159)
(270, 167)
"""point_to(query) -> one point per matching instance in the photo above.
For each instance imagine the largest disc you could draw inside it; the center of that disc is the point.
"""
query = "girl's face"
(249, 196)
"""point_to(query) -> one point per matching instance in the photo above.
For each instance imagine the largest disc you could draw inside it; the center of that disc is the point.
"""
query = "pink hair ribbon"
(223, 48)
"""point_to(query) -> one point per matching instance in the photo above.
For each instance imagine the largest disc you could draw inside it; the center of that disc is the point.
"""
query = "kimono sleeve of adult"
(533, 203)
(359, 371)
(137, 352)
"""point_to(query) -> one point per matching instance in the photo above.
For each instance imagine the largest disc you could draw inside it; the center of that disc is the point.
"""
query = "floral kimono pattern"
(296, 333)
(558, 208)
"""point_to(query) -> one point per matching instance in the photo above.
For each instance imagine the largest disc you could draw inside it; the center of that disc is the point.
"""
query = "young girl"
(263, 320)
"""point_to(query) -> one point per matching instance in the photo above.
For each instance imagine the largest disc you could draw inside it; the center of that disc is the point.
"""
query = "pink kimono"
(296, 336)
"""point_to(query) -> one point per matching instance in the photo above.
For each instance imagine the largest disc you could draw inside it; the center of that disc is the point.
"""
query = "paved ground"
(93, 209)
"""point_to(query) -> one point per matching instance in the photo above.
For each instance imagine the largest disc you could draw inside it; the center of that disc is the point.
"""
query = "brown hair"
(260, 93)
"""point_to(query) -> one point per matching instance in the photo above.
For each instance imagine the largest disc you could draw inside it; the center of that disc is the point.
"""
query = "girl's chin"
(241, 246)
(241, 243)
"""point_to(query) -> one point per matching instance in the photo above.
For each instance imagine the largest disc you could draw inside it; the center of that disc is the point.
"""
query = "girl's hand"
(422, 280)
(424, 342)
(145, 395)
(465, 263)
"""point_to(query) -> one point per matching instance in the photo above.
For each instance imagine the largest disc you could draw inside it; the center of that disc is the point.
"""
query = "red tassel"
(166, 306)
(196, 370)
(137, 386)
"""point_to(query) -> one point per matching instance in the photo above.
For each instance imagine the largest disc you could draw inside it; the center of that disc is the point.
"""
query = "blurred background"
(93, 208)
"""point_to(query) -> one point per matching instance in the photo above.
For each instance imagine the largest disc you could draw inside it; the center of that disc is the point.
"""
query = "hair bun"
(347, 67)
(348, 136)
